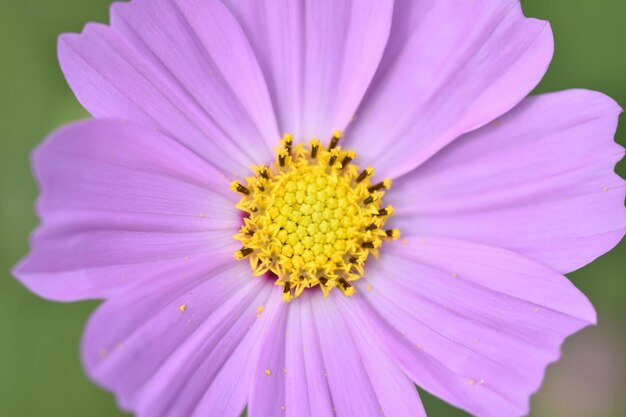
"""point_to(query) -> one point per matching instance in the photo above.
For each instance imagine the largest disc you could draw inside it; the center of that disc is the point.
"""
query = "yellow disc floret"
(313, 217)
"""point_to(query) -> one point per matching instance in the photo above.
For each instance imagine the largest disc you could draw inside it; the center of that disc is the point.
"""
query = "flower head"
(313, 218)
(244, 267)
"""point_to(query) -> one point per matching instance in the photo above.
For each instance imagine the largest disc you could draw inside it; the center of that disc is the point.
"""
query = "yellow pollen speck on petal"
(285, 370)
(282, 407)
(312, 218)
(182, 308)
(472, 382)
(369, 287)
(268, 372)
(259, 311)
(201, 215)
(454, 275)
(605, 189)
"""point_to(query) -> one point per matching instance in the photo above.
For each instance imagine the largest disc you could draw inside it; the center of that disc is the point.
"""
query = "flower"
(491, 198)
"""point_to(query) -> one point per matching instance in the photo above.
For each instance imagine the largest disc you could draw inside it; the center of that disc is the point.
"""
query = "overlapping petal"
(185, 346)
(450, 67)
(181, 66)
(472, 324)
(314, 362)
(120, 203)
(539, 181)
(318, 56)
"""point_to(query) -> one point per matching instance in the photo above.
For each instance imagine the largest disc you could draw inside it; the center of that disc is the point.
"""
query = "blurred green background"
(40, 373)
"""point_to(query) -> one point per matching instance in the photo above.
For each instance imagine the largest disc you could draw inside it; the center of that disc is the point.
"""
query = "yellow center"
(313, 217)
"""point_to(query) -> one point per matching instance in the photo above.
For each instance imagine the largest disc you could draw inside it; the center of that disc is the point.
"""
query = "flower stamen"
(312, 219)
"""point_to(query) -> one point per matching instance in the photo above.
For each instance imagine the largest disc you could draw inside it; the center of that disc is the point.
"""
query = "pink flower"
(496, 197)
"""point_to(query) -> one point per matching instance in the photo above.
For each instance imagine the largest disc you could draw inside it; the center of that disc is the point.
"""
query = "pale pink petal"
(451, 66)
(539, 181)
(314, 362)
(318, 56)
(120, 203)
(181, 66)
(184, 347)
(472, 324)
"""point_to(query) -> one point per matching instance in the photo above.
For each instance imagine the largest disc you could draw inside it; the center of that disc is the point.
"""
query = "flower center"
(312, 217)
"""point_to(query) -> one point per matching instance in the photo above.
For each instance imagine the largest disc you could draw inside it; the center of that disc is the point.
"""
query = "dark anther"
(323, 280)
(243, 190)
(368, 200)
(314, 149)
(346, 161)
(382, 212)
(265, 175)
(245, 251)
(344, 284)
(334, 142)
(287, 287)
(353, 260)
(377, 187)
(288, 143)
(389, 233)
(281, 160)
(368, 245)
(364, 174)
(332, 161)
(371, 227)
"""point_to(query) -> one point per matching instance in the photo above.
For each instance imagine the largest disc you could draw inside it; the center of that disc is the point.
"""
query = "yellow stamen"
(313, 218)
(337, 135)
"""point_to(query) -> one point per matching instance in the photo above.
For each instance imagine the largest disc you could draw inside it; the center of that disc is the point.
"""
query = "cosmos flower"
(307, 207)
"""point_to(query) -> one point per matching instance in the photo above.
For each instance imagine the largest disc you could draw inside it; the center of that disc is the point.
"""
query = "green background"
(40, 373)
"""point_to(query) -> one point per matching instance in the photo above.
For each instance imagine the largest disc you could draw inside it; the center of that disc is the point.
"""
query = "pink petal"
(172, 65)
(314, 363)
(318, 57)
(120, 203)
(472, 324)
(539, 181)
(183, 347)
(451, 67)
